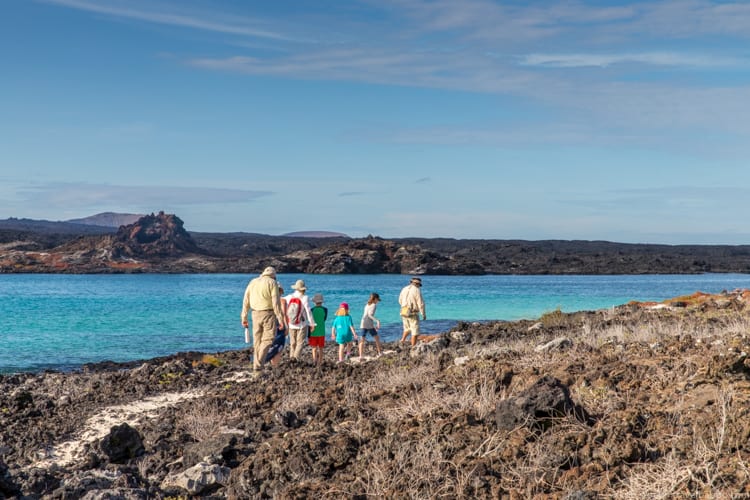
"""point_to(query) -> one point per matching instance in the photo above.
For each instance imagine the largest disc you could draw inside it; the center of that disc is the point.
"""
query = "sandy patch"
(239, 376)
(98, 425)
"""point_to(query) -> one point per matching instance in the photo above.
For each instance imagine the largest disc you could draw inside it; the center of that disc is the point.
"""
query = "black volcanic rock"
(159, 235)
(7, 487)
(160, 244)
(122, 443)
(155, 243)
(474, 413)
(373, 256)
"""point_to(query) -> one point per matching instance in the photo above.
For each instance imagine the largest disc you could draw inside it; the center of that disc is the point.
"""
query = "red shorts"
(317, 341)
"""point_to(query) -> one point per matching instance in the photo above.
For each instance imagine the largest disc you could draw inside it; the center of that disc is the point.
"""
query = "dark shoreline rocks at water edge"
(159, 243)
(581, 405)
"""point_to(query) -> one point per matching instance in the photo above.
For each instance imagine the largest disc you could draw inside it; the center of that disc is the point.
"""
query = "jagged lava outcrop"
(375, 255)
(160, 244)
(155, 243)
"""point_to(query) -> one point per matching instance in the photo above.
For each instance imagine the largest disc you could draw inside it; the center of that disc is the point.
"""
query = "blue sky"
(596, 120)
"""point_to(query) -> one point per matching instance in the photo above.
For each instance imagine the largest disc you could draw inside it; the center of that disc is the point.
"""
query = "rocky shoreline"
(637, 401)
(159, 243)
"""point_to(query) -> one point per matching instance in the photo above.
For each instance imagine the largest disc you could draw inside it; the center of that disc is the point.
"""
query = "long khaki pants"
(264, 329)
(297, 339)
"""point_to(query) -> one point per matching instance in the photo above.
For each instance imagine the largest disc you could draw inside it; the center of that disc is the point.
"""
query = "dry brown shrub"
(738, 324)
(491, 446)
(204, 418)
(475, 392)
(394, 380)
(661, 480)
(555, 319)
(208, 359)
(422, 403)
(708, 471)
(411, 469)
(540, 469)
(297, 402)
(144, 464)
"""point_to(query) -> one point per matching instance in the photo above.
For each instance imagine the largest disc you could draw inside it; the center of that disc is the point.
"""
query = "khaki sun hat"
(299, 285)
(269, 271)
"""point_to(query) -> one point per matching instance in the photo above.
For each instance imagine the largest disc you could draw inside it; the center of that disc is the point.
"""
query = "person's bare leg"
(403, 337)
(377, 345)
(361, 347)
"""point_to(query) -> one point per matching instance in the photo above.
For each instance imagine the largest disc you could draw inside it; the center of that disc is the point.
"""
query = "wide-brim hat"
(299, 285)
(269, 271)
(317, 298)
(416, 281)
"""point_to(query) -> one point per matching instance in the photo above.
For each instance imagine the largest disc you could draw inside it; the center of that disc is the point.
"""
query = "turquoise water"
(63, 321)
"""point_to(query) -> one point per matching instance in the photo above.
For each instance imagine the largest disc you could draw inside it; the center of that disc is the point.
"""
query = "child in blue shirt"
(343, 331)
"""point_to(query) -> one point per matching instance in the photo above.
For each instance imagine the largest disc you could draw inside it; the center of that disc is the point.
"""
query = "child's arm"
(333, 333)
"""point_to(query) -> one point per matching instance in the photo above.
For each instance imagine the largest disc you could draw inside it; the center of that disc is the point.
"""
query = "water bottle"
(247, 335)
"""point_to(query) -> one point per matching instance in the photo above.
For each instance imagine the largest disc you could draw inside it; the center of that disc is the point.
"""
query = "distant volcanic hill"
(107, 219)
(160, 244)
(160, 235)
(315, 234)
(154, 243)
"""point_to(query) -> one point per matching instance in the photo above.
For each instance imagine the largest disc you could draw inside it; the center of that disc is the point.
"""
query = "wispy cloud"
(173, 15)
(501, 48)
(486, 21)
(84, 195)
(652, 58)
(677, 19)
(468, 71)
(423, 180)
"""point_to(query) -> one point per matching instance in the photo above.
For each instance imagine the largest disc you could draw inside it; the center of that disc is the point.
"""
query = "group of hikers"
(276, 316)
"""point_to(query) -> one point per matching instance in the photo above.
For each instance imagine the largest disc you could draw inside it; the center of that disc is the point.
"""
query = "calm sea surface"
(63, 321)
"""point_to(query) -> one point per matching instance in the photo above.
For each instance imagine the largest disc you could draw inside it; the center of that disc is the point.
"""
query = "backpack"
(294, 311)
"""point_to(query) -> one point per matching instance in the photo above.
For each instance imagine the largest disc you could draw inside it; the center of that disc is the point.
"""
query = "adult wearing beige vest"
(262, 298)
(412, 305)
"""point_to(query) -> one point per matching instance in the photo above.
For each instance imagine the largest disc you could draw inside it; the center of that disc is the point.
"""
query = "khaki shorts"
(411, 324)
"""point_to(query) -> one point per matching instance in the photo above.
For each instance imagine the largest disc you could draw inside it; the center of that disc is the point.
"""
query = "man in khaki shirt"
(262, 298)
(412, 305)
